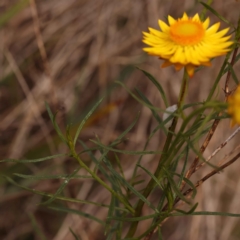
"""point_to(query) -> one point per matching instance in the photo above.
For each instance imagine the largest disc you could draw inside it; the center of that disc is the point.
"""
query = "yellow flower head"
(234, 107)
(187, 42)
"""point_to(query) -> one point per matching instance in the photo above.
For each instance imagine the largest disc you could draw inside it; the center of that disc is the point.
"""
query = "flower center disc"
(187, 32)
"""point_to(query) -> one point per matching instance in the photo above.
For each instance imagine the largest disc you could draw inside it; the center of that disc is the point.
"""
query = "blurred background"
(69, 54)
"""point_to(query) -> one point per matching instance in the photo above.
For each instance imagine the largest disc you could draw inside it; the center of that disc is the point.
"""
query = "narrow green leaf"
(84, 121)
(188, 212)
(151, 175)
(158, 85)
(98, 163)
(220, 74)
(175, 187)
(125, 152)
(74, 234)
(110, 214)
(155, 114)
(34, 160)
(119, 165)
(62, 186)
(234, 76)
(55, 125)
(36, 227)
(40, 177)
(134, 219)
(129, 186)
(119, 138)
(223, 214)
(77, 212)
(217, 14)
(137, 98)
(74, 200)
(160, 233)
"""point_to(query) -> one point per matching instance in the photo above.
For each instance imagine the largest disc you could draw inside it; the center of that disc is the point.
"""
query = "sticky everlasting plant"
(188, 43)
(185, 43)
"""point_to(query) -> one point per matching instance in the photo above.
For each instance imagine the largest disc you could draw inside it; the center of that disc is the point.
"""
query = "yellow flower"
(234, 107)
(187, 42)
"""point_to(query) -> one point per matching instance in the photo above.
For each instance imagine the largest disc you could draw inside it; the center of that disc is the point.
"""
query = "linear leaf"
(156, 116)
(34, 160)
(234, 76)
(223, 214)
(62, 176)
(85, 119)
(55, 125)
(157, 84)
(125, 152)
(45, 194)
(74, 234)
(217, 14)
(135, 219)
(77, 212)
(36, 227)
(188, 212)
(62, 186)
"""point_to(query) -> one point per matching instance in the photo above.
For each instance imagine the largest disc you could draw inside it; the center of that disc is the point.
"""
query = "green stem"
(163, 158)
(83, 165)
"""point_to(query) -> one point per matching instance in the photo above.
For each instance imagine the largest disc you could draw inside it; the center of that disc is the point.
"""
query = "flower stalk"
(164, 157)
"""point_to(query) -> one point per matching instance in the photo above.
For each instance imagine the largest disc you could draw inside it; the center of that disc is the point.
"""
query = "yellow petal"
(206, 23)
(171, 20)
(185, 16)
(163, 26)
(213, 29)
(196, 17)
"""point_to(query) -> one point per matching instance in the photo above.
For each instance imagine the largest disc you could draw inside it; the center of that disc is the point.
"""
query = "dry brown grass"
(69, 53)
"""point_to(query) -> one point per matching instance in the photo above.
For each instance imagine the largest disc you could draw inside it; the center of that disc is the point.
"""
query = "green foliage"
(125, 198)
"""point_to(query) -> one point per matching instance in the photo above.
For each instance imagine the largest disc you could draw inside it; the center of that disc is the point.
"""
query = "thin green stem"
(83, 165)
(163, 159)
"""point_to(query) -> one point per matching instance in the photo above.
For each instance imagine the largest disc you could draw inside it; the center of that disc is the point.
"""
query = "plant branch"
(164, 157)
